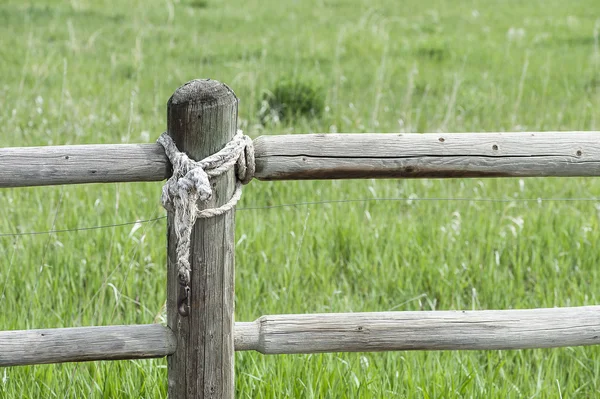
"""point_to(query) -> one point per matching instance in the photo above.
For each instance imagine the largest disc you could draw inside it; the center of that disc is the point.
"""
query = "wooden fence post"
(201, 119)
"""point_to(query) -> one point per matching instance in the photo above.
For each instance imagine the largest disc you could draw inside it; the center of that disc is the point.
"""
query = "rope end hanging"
(190, 183)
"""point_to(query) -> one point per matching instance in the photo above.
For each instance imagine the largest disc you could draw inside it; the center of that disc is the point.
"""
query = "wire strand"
(106, 226)
(310, 203)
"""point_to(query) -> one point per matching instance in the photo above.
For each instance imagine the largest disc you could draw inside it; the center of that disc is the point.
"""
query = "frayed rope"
(190, 183)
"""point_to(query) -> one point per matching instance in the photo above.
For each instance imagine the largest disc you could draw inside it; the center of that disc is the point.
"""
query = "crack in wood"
(266, 157)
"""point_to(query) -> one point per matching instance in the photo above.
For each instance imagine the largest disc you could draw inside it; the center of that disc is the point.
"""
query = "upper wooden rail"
(75, 164)
(429, 155)
(326, 156)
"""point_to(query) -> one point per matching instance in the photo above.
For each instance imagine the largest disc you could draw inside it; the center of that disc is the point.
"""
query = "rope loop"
(191, 183)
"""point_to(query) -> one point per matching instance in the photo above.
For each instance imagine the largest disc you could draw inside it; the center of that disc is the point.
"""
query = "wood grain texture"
(430, 155)
(202, 118)
(75, 164)
(426, 330)
(316, 333)
(326, 156)
(58, 345)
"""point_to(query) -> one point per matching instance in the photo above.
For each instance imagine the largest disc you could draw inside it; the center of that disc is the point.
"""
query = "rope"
(190, 183)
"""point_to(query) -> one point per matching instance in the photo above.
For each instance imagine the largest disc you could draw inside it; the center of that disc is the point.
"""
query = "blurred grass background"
(79, 72)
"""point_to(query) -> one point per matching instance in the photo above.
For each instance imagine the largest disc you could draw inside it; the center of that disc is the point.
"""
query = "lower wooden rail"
(58, 345)
(316, 333)
(427, 330)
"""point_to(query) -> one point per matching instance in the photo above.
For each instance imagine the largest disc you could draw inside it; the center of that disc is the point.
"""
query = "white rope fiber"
(190, 183)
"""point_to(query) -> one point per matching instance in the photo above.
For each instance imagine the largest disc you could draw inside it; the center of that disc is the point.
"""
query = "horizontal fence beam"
(317, 333)
(426, 330)
(75, 164)
(325, 156)
(429, 155)
(58, 345)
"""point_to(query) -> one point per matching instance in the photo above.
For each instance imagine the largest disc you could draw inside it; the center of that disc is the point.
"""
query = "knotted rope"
(190, 183)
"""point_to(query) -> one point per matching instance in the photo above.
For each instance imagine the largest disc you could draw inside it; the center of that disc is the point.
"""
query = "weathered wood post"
(201, 119)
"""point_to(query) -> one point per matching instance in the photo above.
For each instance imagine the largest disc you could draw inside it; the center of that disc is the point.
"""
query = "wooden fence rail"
(58, 345)
(76, 164)
(200, 342)
(316, 333)
(326, 156)
(421, 330)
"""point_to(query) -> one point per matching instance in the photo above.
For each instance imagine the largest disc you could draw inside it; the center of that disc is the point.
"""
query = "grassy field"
(82, 71)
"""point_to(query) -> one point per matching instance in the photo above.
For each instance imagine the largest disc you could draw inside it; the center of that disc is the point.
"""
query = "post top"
(205, 91)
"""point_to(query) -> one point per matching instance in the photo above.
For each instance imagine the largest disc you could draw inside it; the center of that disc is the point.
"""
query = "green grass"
(101, 72)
